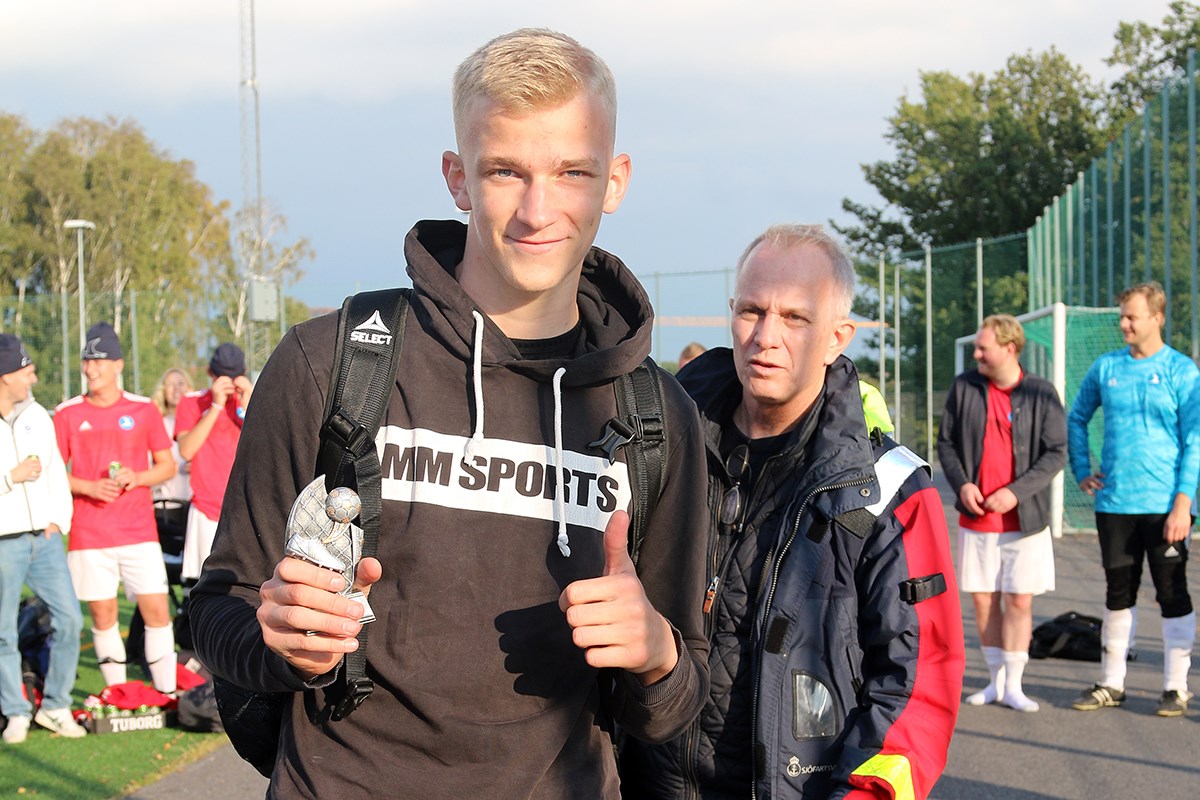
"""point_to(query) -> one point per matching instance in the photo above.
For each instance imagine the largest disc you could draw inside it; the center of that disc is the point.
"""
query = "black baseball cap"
(13, 355)
(102, 343)
(227, 361)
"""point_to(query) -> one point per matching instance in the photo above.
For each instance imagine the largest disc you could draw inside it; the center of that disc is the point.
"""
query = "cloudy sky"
(736, 114)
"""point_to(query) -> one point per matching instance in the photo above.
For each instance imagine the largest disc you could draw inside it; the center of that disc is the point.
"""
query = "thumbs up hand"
(611, 618)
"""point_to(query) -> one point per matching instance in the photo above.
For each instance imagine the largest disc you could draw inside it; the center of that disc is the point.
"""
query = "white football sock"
(160, 654)
(1014, 669)
(1179, 634)
(110, 652)
(994, 656)
(1115, 637)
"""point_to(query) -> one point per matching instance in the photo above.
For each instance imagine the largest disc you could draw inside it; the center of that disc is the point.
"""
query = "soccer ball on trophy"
(342, 505)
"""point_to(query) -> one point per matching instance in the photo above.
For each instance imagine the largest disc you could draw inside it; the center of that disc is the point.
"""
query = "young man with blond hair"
(117, 448)
(1002, 439)
(513, 630)
(1144, 490)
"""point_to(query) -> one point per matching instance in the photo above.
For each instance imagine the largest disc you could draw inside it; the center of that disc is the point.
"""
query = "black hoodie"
(479, 690)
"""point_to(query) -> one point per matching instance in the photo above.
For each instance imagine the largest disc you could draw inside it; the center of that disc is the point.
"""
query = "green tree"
(976, 156)
(1149, 56)
(162, 243)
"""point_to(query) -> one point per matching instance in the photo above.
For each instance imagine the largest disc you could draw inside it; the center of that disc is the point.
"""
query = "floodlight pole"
(78, 225)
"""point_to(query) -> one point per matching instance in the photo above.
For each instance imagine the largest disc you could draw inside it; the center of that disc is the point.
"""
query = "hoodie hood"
(613, 307)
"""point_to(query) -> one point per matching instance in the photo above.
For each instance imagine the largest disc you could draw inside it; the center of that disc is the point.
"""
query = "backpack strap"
(366, 357)
(640, 407)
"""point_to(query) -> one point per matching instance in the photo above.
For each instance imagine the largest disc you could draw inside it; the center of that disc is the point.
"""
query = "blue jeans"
(42, 563)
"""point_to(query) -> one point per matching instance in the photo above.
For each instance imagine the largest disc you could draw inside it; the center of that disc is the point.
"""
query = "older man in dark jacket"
(836, 637)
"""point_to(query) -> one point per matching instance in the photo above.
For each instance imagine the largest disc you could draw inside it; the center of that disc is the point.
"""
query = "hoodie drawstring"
(560, 503)
(473, 444)
(477, 382)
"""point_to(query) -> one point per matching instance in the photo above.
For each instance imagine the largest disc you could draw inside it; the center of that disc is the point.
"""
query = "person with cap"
(208, 424)
(116, 448)
(35, 514)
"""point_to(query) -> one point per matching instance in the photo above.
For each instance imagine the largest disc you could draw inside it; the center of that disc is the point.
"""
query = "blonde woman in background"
(171, 388)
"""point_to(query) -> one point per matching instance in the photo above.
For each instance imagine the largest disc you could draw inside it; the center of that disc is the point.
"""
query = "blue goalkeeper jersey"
(1151, 442)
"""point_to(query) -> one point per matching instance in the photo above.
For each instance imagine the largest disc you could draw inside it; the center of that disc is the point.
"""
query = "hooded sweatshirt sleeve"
(672, 570)
(276, 457)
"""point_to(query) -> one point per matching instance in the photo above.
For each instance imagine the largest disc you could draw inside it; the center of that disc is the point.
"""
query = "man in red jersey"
(1002, 439)
(208, 425)
(106, 436)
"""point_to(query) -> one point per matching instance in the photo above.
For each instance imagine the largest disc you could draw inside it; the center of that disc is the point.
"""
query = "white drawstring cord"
(477, 380)
(560, 503)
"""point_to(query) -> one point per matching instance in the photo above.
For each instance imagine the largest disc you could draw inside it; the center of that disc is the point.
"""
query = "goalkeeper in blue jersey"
(1144, 490)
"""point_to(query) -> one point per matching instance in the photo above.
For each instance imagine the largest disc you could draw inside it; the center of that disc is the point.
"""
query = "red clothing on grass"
(212, 463)
(90, 438)
(996, 467)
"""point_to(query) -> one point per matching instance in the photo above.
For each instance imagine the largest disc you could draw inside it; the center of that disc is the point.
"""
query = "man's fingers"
(369, 570)
(616, 545)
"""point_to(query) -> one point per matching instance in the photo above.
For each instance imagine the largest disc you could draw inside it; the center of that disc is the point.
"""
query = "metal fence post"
(928, 353)
(137, 348)
(1191, 114)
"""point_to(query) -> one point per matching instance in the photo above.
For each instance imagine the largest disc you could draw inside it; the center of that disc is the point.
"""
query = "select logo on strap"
(373, 331)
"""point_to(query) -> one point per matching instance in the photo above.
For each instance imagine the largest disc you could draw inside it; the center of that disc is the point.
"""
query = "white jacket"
(32, 505)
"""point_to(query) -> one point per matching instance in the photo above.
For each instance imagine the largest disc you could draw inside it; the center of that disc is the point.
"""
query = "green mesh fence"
(1130, 217)
(1090, 332)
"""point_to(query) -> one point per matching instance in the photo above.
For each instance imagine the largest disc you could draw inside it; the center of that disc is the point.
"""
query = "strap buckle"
(355, 694)
(347, 433)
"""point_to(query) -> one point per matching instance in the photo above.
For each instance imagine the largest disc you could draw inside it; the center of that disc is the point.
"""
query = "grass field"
(96, 767)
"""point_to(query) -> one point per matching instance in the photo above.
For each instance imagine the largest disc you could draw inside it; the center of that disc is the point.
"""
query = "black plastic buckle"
(616, 435)
(917, 590)
(347, 433)
(650, 428)
(352, 699)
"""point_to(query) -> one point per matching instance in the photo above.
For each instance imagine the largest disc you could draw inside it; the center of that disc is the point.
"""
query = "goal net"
(1061, 342)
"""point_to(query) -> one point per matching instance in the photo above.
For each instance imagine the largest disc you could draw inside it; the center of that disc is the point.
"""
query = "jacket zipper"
(691, 740)
(766, 615)
(24, 489)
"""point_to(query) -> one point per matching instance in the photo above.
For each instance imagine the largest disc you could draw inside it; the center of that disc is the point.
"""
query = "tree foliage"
(161, 239)
(1149, 56)
(978, 156)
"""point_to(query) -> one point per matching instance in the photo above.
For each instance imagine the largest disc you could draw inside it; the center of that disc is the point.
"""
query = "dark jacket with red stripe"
(837, 670)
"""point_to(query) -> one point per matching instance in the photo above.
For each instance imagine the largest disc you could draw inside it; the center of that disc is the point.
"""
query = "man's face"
(102, 373)
(536, 185)
(993, 358)
(786, 329)
(19, 382)
(1140, 327)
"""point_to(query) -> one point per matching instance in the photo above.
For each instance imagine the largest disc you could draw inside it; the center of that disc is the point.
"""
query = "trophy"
(320, 531)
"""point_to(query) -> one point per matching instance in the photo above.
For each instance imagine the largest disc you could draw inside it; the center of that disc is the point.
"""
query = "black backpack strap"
(367, 355)
(640, 407)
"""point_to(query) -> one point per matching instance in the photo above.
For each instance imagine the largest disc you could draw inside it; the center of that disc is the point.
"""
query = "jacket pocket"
(814, 710)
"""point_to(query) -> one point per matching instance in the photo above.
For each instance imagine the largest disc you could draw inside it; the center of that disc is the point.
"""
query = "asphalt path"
(996, 753)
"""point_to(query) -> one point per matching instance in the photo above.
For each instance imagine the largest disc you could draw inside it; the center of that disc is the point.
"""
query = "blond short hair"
(794, 236)
(532, 69)
(1008, 330)
(1156, 298)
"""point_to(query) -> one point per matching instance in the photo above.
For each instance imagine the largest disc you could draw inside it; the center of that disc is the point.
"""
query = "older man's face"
(786, 329)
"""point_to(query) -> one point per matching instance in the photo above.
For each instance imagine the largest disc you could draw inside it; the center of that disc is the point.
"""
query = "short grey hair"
(791, 236)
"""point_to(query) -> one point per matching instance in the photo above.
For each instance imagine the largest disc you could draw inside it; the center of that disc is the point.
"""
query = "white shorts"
(95, 573)
(197, 542)
(1005, 562)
